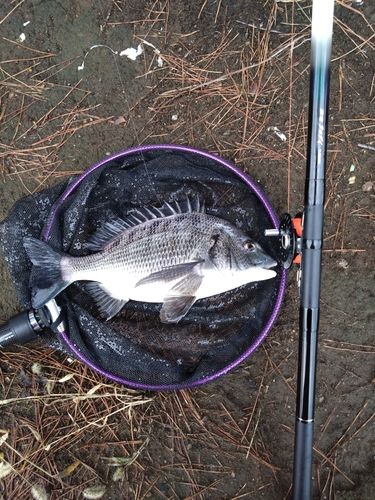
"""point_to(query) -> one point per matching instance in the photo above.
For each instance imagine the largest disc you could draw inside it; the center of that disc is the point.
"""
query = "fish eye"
(249, 245)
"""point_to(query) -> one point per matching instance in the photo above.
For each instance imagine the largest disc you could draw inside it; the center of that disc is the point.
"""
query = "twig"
(359, 348)
(261, 28)
(333, 465)
(366, 146)
(9, 13)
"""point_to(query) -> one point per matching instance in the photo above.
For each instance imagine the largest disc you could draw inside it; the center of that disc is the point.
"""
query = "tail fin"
(48, 282)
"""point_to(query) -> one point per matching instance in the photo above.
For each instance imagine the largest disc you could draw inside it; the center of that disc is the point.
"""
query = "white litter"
(80, 68)
(132, 53)
(277, 132)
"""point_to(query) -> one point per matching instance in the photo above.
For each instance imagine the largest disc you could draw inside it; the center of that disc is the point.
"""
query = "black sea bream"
(174, 255)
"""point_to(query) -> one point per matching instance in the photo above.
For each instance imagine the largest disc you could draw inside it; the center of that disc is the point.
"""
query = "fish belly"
(216, 282)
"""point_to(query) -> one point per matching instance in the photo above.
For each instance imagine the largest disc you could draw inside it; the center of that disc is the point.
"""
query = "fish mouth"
(269, 263)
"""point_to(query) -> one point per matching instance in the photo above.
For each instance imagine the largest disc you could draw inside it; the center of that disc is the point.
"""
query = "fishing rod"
(311, 244)
(301, 241)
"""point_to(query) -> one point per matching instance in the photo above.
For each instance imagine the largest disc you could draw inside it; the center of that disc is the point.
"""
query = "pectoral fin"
(171, 273)
(180, 299)
(175, 308)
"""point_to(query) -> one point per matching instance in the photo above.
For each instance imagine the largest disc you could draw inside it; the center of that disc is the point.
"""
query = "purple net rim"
(262, 197)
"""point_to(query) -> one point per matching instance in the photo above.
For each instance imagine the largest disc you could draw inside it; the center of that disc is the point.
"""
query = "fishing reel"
(27, 325)
(289, 237)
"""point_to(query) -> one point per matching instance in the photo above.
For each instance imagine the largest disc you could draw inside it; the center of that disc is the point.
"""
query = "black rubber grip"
(17, 330)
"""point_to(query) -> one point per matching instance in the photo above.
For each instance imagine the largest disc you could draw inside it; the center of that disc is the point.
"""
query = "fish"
(174, 255)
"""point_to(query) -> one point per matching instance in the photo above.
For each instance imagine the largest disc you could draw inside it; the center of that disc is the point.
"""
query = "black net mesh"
(135, 346)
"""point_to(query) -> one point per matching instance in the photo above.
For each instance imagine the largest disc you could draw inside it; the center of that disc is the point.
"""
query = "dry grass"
(231, 102)
(34, 127)
(71, 433)
(71, 420)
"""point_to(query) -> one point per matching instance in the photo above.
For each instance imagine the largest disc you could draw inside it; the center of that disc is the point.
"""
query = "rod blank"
(312, 240)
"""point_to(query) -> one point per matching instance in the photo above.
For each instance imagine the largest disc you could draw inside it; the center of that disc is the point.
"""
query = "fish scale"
(173, 255)
(155, 250)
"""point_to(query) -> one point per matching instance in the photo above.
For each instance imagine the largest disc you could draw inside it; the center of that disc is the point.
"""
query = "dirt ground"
(68, 99)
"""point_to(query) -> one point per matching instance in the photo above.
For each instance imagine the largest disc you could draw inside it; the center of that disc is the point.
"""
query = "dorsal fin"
(186, 206)
(105, 233)
(140, 215)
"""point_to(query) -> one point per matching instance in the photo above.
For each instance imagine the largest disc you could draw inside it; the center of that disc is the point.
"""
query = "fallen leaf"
(119, 120)
(367, 186)
(94, 492)
(66, 472)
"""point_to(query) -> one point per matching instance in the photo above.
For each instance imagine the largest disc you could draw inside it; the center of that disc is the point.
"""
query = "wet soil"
(232, 438)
